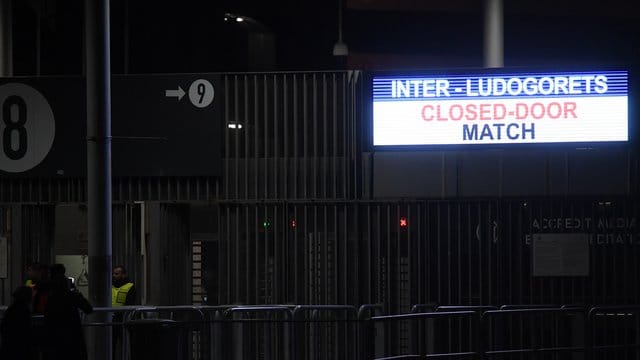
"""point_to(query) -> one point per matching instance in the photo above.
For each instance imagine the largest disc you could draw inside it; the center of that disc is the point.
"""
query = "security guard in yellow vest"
(123, 291)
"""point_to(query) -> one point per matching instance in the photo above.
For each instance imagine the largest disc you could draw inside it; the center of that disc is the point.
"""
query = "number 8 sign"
(27, 127)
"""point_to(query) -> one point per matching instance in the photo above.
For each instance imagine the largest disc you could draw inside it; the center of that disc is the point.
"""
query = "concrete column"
(493, 34)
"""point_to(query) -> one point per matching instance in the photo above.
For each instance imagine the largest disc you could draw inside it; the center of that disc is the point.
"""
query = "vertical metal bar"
(296, 118)
(635, 265)
(336, 257)
(335, 138)
(267, 253)
(285, 136)
(534, 211)
(169, 193)
(305, 140)
(421, 270)
(459, 252)
(305, 246)
(399, 261)
(480, 271)
(438, 251)
(256, 254)
(296, 258)
(411, 290)
(267, 130)
(276, 152)
(247, 239)
(379, 283)
(369, 299)
(245, 135)
(388, 268)
(227, 106)
(256, 142)
(339, 243)
(427, 254)
(276, 254)
(346, 144)
(348, 229)
(229, 254)
(317, 258)
(516, 229)
(238, 271)
(285, 251)
(491, 265)
(315, 136)
(448, 240)
(326, 286)
(325, 136)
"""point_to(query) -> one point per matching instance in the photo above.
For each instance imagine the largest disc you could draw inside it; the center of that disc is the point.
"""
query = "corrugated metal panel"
(126, 242)
(129, 189)
(169, 254)
(37, 233)
(291, 135)
(5, 231)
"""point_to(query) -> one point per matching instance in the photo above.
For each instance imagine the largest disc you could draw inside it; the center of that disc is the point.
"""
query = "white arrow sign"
(175, 93)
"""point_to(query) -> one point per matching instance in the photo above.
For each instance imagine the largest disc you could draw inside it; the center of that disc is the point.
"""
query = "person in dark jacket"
(39, 283)
(16, 329)
(62, 322)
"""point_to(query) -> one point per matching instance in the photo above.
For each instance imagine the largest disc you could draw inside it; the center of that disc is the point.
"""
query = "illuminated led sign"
(507, 108)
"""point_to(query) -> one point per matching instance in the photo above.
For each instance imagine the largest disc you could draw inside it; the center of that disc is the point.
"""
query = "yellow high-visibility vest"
(119, 294)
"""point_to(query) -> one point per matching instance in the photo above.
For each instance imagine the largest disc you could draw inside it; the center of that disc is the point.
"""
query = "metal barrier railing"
(310, 332)
(472, 317)
(613, 332)
(261, 332)
(530, 333)
(325, 332)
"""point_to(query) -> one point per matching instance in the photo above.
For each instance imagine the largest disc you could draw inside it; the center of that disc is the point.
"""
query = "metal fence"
(468, 252)
(343, 332)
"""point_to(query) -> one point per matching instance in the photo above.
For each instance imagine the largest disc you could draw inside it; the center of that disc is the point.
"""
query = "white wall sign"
(480, 108)
(27, 127)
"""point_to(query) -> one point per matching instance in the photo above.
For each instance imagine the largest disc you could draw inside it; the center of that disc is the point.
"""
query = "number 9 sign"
(27, 127)
(201, 93)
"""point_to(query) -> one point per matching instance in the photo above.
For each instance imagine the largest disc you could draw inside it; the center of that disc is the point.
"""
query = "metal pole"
(6, 43)
(99, 166)
(493, 34)
(6, 54)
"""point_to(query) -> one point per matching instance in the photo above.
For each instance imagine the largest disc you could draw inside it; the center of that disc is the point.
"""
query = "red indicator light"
(293, 223)
(403, 222)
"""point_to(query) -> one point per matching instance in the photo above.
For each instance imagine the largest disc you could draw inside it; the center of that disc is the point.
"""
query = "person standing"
(38, 281)
(16, 329)
(62, 323)
(123, 291)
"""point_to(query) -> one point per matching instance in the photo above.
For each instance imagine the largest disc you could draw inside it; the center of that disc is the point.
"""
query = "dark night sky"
(191, 36)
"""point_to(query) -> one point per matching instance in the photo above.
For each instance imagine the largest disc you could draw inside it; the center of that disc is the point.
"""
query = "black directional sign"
(162, 125)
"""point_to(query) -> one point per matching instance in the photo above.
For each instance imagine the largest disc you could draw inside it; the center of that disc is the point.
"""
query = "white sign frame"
(499, 108)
